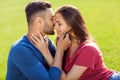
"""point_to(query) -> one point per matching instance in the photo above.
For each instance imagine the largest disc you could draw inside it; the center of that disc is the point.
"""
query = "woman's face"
(60, 25)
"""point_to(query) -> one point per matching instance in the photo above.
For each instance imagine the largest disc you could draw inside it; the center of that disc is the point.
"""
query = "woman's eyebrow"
(57, 21)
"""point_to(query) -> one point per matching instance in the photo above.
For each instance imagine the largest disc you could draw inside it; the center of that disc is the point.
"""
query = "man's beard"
(50, 32)
(47, 31)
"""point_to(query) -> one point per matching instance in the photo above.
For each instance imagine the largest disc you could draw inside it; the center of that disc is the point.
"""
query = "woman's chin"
(58, 35)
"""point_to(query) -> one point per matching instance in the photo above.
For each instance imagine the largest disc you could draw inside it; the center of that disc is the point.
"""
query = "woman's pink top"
(88, 55)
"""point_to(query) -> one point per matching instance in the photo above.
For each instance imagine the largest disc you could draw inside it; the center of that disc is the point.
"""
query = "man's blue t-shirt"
(25, 62)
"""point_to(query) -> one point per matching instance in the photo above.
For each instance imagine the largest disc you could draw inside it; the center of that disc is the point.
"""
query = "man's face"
(48, 24)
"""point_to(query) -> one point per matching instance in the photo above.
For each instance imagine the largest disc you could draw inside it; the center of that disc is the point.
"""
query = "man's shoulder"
(21, 44)
(21, 49)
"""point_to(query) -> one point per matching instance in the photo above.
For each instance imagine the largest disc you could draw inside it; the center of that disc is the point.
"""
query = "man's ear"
(40, 21)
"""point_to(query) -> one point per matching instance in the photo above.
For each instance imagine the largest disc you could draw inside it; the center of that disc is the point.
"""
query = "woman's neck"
(74, 46)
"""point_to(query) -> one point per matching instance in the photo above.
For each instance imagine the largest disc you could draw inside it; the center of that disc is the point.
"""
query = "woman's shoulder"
(90, 46)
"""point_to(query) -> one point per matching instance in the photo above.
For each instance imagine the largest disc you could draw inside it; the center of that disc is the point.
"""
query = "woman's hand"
(63, 42)
(39, 42)
(42, 44)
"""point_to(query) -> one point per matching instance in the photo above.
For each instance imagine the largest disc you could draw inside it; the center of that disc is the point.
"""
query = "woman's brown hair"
(73, 18)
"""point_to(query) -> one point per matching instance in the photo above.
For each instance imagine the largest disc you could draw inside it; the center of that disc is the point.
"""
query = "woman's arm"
(42, 45)
(62, 45)
(74, 74)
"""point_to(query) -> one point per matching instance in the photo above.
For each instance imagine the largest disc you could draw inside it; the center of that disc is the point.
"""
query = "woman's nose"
(55, 26)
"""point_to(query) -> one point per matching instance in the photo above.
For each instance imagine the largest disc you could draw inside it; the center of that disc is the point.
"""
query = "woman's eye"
(59, 24)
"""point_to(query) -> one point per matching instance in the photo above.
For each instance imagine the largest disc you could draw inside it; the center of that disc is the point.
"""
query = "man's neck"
(29, 34)
(32, 29)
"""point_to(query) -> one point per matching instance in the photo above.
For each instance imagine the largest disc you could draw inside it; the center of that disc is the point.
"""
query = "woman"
(83, 59)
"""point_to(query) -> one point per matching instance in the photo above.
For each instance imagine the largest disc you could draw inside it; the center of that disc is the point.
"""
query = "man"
(25, 61)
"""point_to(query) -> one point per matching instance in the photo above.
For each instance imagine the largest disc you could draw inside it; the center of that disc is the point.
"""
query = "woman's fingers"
(40, 36)
(34, 39)
(62, 36)
(67, 36)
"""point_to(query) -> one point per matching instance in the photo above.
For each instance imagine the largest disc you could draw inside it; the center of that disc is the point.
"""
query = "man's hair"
(35, 7)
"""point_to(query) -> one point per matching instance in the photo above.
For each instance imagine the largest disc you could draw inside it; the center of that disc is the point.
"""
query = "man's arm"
(27, 63)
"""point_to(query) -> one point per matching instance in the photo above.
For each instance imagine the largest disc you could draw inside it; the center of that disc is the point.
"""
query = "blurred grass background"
(102, 18)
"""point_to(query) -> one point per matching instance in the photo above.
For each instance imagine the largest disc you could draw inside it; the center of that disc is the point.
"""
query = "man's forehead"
(50, 12)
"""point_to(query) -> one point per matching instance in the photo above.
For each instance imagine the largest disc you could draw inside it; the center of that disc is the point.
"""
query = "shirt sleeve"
(28, 64)
(86, 57)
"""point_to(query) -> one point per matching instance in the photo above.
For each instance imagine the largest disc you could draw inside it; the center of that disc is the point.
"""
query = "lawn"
(102, 19)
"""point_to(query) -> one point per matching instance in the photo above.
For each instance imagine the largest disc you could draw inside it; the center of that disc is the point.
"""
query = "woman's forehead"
(58, 17)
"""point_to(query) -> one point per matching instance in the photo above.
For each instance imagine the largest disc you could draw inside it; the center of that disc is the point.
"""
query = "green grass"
(102, 19)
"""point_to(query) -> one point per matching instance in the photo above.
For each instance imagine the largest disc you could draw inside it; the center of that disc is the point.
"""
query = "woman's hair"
(74, 19)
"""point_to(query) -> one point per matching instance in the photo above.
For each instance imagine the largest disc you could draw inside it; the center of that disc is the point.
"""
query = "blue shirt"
(25, 62)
